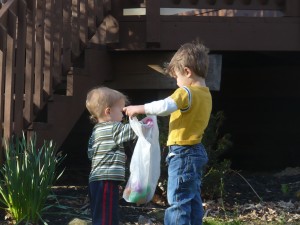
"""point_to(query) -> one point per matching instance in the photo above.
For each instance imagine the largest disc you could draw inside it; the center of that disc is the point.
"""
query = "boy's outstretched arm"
(160, 108)
(134, 110)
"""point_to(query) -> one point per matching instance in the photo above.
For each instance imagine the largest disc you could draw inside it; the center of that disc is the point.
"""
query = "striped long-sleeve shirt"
(106, 150)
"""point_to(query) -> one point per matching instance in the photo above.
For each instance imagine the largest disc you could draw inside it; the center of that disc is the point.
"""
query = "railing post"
(20, 68)
(57, 41)
(39, 54)
(116, 9)
(3, 36)
(99, 12)
(153, 23)
(30, 58)
(83, 22)
(67, 15)
(9, 74)
(75, 28)
(48, 68)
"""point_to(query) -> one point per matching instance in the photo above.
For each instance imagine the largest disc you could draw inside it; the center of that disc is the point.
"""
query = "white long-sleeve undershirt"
(162, 107)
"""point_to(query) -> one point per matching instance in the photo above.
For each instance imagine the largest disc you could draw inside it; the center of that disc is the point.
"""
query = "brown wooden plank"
(99, 12)
(75, 28)
(39, 54)
(57, 41)
(9, 75)
(91, 13)
(201, 4)
(3, 52)
(48, 71)
(219, 33)
(117, 9)
(29, 67)
(67, 13)
(251, 34)
(20, 69)
(83, 22)
(9, 6)
(153, 21)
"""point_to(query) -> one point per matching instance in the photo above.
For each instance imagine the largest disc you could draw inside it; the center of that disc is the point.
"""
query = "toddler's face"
(116, 111)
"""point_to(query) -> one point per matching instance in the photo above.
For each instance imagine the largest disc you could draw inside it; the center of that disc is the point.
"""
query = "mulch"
(257, 198)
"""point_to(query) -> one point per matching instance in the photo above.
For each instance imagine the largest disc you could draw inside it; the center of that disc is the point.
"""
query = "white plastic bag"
(145, 162)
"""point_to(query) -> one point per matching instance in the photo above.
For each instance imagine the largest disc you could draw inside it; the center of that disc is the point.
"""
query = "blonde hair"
(193, 55)
(99, 98)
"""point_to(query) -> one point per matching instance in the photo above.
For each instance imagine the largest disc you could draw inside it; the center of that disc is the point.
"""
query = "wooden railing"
(238, 22)
(39, 40)
(214, 4)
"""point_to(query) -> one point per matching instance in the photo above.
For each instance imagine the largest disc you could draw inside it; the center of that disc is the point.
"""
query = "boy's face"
(116, 111)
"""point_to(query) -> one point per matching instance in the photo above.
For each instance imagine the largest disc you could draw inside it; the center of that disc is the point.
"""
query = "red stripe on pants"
(104, 202)
(110, 203)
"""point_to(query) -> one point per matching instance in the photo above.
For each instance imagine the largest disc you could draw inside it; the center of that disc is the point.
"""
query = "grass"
(214, 221)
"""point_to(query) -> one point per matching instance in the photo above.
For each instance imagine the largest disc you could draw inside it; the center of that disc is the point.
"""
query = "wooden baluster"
(153, 22)
(91, 13)
(48, 69)
(10, 75)
(83, 22)
(117, 9)
(29, 70)
(3, 52)
(99, 12)
(75, 28)
(57, 41)
(20, 69)
(39, 54)
(67, 13)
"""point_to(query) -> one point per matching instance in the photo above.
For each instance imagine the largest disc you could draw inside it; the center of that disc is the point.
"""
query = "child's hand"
(134, 110)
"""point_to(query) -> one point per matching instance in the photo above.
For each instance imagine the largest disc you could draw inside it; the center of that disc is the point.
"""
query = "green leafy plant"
(28, 174)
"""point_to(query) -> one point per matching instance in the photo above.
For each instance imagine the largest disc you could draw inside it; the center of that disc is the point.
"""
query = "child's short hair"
(99, 98)
(193, 55)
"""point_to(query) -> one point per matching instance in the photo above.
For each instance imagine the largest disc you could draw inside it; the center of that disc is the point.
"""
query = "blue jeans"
(184, 180)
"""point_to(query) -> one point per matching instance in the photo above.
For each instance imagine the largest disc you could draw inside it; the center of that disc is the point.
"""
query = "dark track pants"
(104, 202)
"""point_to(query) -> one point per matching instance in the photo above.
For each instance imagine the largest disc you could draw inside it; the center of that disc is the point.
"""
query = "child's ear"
(107, 111)
(187, 71)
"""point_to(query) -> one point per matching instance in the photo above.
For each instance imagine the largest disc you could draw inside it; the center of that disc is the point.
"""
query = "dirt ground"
(265, 197)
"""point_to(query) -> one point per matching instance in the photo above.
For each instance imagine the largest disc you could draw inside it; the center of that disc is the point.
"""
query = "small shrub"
(27, 176)
(215, 144)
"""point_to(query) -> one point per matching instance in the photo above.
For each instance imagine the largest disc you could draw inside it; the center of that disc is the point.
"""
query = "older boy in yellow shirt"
(190, 108)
